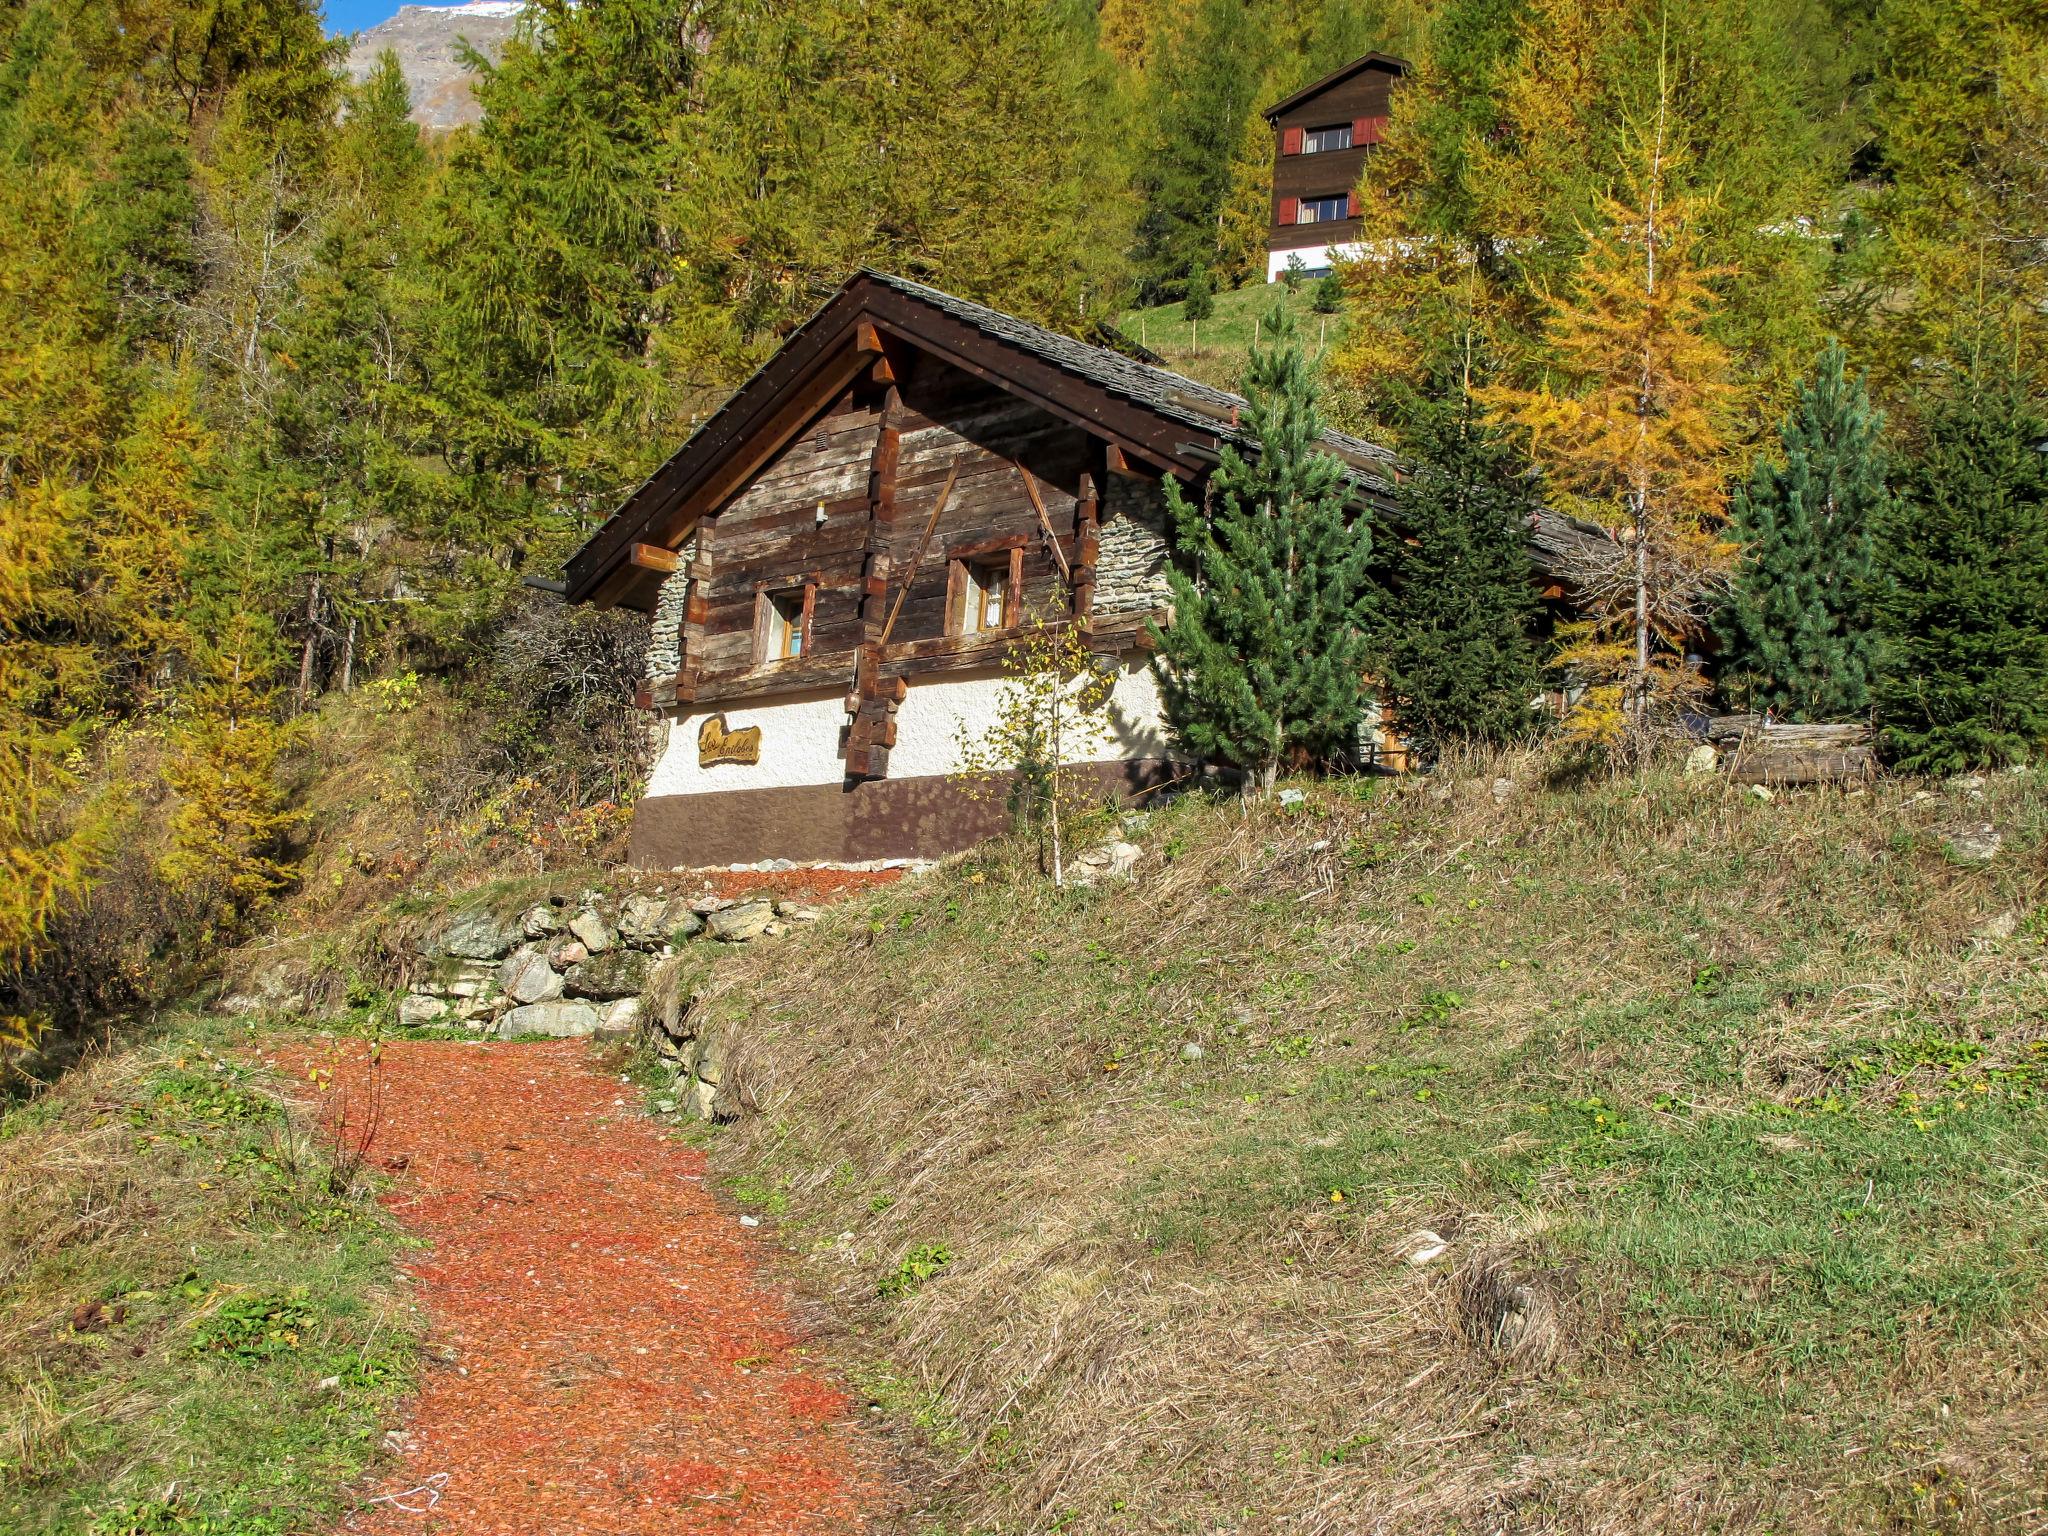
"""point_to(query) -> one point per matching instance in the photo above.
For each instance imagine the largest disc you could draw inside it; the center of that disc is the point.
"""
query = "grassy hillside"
(199, 1329)
(1466, 1154)
(1213, 350)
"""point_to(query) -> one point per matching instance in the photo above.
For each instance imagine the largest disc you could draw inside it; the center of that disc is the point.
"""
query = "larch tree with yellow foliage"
(1625, 425)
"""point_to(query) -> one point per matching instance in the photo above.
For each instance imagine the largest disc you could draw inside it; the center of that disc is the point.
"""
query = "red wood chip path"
(619, 1364)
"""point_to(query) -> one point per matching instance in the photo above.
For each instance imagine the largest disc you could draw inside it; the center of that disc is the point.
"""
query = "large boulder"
(451, 976)
(591, 932)
(541, 921)
(416, 1011)
(748, 920)
(640, 921)
(679, 922)
(620, 1018)
(563, 1018)
(475, 934)
(527, 977)
(619, 973)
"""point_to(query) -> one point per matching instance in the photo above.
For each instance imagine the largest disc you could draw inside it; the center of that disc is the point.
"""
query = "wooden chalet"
(1322, 135)
(840, 557)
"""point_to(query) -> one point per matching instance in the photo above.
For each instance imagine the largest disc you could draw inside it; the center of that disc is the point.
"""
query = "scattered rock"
(416, 1011)
(1702, 762)
(538, 922)
(477, 934)
(797, 912)
(1192, 1052)
(1290, 798)
(590, 931)
(2002, 926)
(527, 977)
(750, 1221)
(1761, 792)
(270, 990)
(1112, 861)
(737, 925)
(700, 1100)
(1977, 845)
(621, 1017)
(563, 1018)
(620, 973)
(704, 906)
(1421, 1247)
(565, 952)
(679, 922)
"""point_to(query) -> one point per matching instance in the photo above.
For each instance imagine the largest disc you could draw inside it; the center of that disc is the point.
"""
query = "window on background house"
(783, 624)
(1319, 140)
(1322, 210)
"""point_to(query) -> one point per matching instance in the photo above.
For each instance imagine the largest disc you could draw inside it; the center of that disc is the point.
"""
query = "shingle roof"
(1160, 390)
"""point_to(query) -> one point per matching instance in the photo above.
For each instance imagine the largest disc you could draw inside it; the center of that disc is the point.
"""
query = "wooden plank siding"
(946, 424)
(1367, 93)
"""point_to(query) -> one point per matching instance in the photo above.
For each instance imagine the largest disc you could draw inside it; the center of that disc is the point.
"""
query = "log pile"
(1754, 750)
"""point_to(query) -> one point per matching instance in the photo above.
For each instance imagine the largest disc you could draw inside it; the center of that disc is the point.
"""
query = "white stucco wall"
(1312, 256)
(800, 735)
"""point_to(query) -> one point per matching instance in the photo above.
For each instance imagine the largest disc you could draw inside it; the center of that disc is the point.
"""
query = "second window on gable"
(981, 595)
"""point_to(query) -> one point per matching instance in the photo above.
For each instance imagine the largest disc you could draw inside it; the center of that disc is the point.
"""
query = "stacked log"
(1756, 751)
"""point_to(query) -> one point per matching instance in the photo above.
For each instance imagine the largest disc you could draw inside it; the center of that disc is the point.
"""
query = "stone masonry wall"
(1130, 570)
(665, 634)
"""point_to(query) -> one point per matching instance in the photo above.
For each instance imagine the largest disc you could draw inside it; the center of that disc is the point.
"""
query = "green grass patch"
(203, 1330)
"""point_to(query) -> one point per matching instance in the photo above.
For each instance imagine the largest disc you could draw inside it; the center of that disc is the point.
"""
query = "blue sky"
(346, 16)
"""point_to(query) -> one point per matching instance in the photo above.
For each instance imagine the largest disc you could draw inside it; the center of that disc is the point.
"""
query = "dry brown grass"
(1157, 1318)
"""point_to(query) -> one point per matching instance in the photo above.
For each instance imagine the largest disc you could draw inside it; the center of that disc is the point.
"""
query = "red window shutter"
(1290, 141)
(1351, 206)
(1287, 209)
(1368, 130)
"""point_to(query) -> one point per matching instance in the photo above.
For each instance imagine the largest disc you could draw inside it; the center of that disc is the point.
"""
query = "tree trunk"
(306, 653)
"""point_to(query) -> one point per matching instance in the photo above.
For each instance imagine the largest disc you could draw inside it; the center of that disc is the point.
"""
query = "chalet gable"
(1145, 421)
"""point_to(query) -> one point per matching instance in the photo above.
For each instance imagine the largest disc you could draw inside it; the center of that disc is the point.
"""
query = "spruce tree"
(1200, 303)
(1455, 643)
(1265, 660)
(1797, 620)
(1962, 605)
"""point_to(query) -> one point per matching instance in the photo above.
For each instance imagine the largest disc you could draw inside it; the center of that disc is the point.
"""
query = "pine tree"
(1796, 626)
(1200, 302)
(1962, 607)
(1455, 644)
(1265, 660)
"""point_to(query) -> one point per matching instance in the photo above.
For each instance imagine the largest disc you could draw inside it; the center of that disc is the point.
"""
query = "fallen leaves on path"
(604, 1354)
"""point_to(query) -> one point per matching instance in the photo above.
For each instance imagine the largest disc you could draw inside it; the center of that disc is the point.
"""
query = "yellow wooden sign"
(718, 744)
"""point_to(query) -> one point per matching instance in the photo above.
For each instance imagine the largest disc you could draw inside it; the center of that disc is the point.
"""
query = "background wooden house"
(1322, 135)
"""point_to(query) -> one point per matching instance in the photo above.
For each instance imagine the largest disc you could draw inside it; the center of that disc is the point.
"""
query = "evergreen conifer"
(1962, 605)
(1455, 645)
(1200, 303)
(1797, 622)
(1265, 660)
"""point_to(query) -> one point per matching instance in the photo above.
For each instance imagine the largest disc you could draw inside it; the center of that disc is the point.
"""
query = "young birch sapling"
(1054, 713)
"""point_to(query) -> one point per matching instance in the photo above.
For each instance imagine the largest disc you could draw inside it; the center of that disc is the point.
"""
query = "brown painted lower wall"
(843, 824)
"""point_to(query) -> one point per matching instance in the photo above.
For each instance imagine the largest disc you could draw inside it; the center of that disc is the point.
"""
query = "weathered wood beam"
(652, 557)
(1087, 545)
